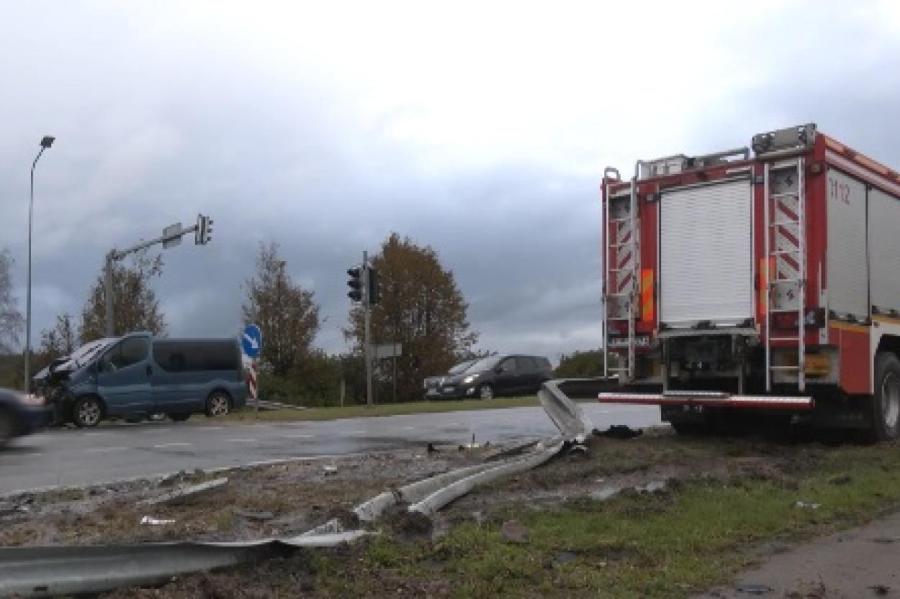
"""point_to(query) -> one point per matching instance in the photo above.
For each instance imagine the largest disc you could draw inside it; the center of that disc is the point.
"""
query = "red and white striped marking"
(251, 381)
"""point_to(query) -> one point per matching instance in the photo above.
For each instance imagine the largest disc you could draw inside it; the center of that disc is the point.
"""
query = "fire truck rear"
(762, 279)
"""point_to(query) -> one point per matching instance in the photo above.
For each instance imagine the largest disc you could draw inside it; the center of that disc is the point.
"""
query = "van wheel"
(6, 427)
(179, 417)
(486, 392)
(218, 404)
(886, 401)
(87, 412)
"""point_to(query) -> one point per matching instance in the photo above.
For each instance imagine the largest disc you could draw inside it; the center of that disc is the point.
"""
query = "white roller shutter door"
(706, 254)
(848, 269)
(884, 250)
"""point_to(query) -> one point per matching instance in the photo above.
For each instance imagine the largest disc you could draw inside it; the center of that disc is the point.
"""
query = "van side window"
(196, 356)
(508, 365)
(128, 352)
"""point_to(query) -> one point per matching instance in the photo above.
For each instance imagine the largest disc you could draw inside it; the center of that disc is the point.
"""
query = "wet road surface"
(71, 457)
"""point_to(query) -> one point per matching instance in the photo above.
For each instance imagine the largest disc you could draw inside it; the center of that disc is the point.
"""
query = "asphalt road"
(72, 457)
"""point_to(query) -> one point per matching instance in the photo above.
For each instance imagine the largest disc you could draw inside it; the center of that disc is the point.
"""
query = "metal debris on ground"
(754, 589)
(652, 487)
(150, 520)
(806, 505)
(250, 515)
(184, 492)
(619, 431)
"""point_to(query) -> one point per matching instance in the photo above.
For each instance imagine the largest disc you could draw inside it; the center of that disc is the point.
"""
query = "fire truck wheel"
(886, 402)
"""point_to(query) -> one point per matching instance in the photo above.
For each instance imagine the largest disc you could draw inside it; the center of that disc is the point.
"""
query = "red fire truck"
(763, 278)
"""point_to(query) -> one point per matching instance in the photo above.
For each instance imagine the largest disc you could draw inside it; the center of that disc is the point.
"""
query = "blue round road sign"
(251, 341)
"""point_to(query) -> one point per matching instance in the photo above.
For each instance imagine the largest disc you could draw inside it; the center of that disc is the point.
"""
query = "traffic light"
(373, 295)
(203, 234)
(355, 283)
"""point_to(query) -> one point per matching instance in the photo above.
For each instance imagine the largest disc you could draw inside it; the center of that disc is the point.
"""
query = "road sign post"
(251, 344)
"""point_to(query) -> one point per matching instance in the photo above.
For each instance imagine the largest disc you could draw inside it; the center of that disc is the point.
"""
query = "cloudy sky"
(479, 128)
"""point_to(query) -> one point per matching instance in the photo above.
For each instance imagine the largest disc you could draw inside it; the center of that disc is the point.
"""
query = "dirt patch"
(294, 497)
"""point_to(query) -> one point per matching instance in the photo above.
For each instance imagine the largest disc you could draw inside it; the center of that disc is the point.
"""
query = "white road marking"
(156, 430)
(297, 436)
(104, 449)
(409, 428)
(164, 445)
(213, 428)
(358, 432)
(243, 440)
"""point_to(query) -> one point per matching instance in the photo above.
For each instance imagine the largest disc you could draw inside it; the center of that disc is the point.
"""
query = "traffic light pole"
(115, 255)
(368, 326)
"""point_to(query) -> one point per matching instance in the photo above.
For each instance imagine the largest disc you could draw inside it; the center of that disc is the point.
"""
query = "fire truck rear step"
(711, 399)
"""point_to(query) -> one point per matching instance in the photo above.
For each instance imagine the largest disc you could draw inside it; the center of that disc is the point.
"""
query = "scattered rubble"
(186, 491)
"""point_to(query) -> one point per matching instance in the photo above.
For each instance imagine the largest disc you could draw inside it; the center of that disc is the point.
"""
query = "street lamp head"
(47, 141)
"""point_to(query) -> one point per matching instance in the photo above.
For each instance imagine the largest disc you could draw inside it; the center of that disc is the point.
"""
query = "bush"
(582, 364)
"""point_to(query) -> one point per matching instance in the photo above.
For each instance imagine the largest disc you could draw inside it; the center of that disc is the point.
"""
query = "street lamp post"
(46, 142)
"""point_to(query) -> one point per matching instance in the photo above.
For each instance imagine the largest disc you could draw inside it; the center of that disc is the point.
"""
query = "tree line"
(421, 307)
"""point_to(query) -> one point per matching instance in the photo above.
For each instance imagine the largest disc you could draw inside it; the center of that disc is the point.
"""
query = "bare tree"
(61, 340)
(286, 313)
(10, 317)
(135, 306)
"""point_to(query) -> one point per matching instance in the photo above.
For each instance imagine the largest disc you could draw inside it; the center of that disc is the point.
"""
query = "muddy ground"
(290, 498)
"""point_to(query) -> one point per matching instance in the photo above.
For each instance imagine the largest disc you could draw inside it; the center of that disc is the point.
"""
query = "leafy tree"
(10, 317)
(59, 341)
(420, 307)
(135, 307)
(286, 313)
(582, 364)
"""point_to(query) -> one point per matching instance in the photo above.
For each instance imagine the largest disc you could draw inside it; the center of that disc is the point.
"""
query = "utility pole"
(370, 400)
(171, 237)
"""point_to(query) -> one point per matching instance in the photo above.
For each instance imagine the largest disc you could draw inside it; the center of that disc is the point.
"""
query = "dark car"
(498, 375)
(433, 384)
(17, 416)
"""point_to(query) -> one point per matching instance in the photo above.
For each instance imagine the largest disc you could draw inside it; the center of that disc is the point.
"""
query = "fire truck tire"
(886, 401)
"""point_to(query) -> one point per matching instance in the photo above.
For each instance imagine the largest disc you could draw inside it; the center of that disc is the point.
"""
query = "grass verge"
(419, 407)
(698, 533)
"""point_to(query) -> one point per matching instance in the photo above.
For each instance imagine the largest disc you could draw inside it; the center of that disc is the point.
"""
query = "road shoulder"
(859, 562)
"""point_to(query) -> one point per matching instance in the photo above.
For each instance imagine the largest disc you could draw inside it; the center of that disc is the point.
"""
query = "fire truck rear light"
(813, 318)
(785, 320)
(710, 399)
(817, 365)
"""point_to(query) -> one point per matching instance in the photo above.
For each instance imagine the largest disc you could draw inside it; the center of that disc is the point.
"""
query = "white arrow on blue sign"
(251, 341)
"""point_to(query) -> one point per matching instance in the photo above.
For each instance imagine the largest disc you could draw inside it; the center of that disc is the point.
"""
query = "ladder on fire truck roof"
(785, 249)
(622, 265)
